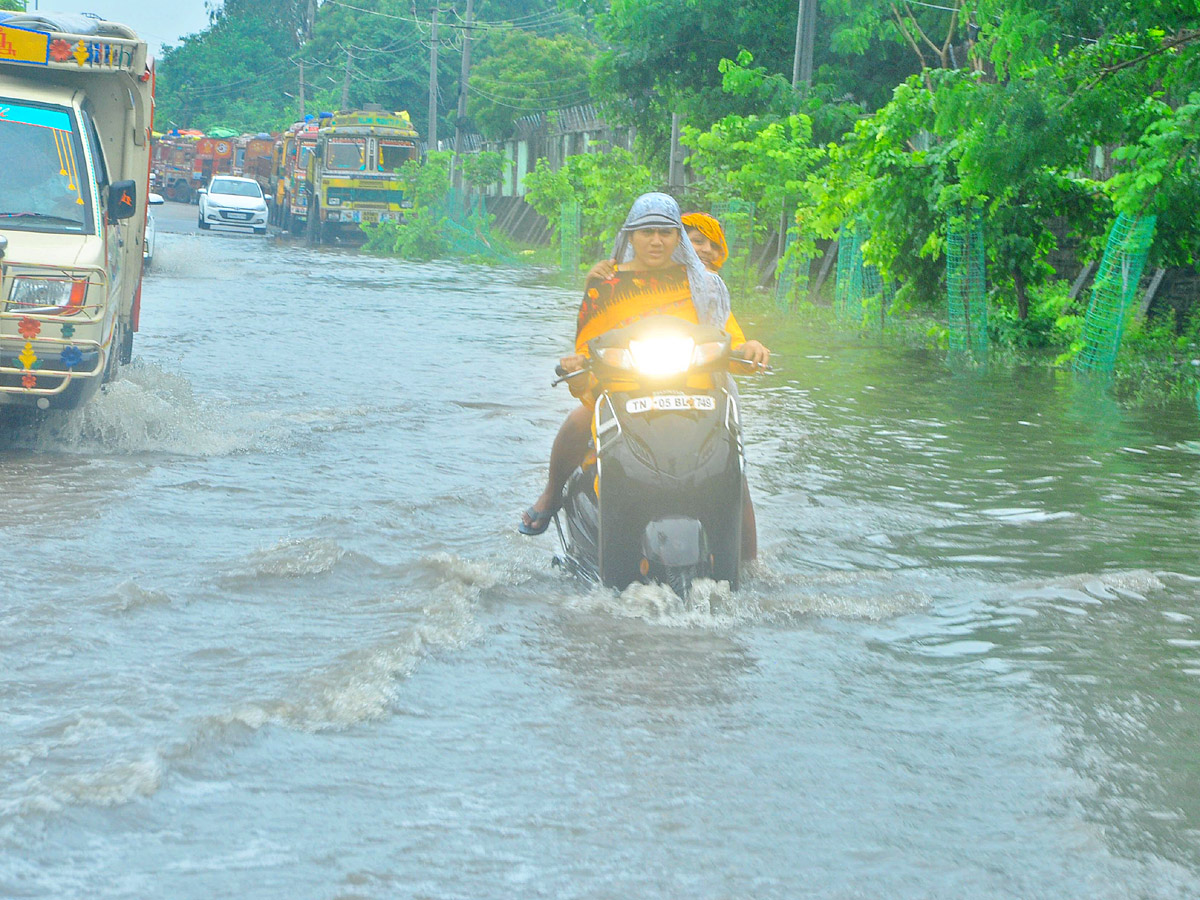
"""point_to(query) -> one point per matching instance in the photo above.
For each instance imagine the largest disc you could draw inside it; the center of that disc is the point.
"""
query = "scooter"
(660, 496)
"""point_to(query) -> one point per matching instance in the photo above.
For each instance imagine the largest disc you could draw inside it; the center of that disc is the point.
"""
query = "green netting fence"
(861, 295)
(791, 277)
(966, 285)
(468, 227)
(570, 224)
(1113, 292)
(737, 220)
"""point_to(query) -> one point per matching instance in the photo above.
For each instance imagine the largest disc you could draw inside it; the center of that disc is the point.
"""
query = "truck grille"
(380, 196)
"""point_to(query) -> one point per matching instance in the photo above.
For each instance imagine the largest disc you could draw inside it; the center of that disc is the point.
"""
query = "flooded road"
(268, 629)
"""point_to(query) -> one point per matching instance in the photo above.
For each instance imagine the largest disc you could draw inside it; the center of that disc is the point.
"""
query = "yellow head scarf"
(711, 229)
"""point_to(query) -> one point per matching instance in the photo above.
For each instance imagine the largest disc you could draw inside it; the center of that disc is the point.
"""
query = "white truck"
(76, 110)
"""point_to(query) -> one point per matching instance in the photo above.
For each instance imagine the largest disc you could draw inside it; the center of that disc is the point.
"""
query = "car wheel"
(204, 226)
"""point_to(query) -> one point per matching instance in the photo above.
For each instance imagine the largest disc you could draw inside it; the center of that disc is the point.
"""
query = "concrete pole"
(463, 79)
(810, 34)
(345, 105)
(675, 169)
(431, 138)
(802, 64)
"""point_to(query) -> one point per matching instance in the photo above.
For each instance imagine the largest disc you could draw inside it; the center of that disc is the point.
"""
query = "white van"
(76, 109)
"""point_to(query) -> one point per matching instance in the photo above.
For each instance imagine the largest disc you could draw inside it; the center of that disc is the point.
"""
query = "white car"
(234, 201)
(151, 231)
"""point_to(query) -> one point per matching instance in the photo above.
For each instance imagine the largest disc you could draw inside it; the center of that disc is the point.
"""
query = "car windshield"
(346, 155)
(237, 188)
(43, 177)
(393, 154)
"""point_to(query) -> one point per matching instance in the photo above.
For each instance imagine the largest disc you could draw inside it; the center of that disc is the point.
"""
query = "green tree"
(522, 73)
(236, 72)
(604, 184)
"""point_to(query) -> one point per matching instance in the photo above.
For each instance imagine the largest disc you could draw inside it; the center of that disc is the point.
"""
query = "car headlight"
(662, 355)
(47, 294)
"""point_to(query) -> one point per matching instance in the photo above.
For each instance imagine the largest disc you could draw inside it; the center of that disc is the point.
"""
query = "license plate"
(669, 403)
(238, 215)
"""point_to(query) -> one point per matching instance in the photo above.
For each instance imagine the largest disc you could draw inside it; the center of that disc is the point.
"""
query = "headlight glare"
(662, 354)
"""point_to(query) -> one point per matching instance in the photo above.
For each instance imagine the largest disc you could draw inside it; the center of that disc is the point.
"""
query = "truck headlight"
(53, 295)
(662, 355)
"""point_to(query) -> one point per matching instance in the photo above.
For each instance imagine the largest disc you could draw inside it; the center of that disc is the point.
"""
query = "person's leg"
(570, 447)
(749, 525)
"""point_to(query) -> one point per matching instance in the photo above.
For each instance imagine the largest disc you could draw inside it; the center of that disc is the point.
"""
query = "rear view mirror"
(122, 199)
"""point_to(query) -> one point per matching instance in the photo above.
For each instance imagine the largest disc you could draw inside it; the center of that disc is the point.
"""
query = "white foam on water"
(293, 558)
(363, 683)
(72, 733)
(359, 687)
(111, 785)
(764, 596)
(151, 410)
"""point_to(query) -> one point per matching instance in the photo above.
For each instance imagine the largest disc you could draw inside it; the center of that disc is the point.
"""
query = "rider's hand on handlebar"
(572, 363)
(755, 354)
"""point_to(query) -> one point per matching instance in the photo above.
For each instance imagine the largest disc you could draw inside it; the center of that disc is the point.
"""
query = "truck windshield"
(393, 154)
(346, 155)
(236, 188)
(43, 176)
(306, 150)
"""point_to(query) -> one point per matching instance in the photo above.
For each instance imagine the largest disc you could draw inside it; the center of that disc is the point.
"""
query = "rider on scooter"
(658, 273)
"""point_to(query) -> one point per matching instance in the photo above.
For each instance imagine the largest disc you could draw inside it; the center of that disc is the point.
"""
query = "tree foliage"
(604, 185)
(522, 73)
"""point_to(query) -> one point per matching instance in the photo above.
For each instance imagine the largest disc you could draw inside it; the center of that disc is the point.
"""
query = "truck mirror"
(122, 199)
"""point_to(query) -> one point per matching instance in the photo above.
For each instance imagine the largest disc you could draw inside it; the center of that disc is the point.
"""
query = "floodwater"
(268, 629)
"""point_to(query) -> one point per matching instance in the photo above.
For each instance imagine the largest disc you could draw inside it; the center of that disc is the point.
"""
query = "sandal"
(539, 521)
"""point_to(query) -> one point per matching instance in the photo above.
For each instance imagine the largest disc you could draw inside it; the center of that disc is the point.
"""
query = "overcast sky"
(157, 21)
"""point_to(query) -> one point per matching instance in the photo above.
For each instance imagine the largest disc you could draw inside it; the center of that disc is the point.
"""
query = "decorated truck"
(354, 174)
(171, 166)
(252, 156)
(290, 194)
(76, 110)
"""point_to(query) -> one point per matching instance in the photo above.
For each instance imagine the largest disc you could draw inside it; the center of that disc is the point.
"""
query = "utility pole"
(345, 107)
(462, 96)
(806, 20)
(675, 166)
(301, 90)
(431, 140)
(810, 35)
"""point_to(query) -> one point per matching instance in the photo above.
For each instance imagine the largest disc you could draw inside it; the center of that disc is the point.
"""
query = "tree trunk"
(1022, 297)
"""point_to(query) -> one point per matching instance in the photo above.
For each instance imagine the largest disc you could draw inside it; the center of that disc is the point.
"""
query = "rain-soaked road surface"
(267, 629)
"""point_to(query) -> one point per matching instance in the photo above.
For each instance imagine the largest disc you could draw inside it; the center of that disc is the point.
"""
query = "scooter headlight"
(708, 352)
(662, 355)
(617, 357)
